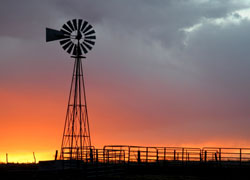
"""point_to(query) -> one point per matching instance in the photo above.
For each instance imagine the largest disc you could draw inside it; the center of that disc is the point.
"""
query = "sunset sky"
(162, 73)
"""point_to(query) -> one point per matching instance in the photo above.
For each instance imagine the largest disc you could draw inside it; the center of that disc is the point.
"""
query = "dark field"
(132, 172)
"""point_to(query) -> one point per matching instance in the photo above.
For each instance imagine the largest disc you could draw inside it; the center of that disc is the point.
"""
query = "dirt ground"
(175, 177)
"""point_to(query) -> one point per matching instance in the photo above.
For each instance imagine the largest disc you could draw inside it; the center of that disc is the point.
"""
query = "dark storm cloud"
(186, 59)
(160, 19)
(220, 54)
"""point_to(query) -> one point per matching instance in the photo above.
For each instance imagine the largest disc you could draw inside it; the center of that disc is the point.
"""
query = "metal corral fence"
(143, 154)
(112, 158)
(118, 154)
(92, 155)
(226, 154)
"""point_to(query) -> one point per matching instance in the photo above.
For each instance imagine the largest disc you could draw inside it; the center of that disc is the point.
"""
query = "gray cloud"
(185, 59)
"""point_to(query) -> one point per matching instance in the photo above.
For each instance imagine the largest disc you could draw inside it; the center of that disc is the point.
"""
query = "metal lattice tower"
(77, 38)
(76, 142)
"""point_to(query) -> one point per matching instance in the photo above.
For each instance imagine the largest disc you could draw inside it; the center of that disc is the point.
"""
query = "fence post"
(205, 156)
(108, 156)
(86, 154)
(240, 156)
(104, 154)
(139, 157)
(128, 155)
(77, 158)
(56, 155)
(215, 156)
(62, 154)
(174, 155)
(182, 155)
(157, 156)
(200, 155)
(119, 155)
(146, 154)
(77, 151)
(7, 158)
(96, 155)
(124, 156)
(91, 156)
(220, 154)
(164, 154)
(114, 156)
(35, 157)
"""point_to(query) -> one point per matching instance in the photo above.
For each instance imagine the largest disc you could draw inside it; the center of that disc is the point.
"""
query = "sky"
(162, 73)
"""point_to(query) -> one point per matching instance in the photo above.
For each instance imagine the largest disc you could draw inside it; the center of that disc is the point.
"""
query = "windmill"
(77, 37)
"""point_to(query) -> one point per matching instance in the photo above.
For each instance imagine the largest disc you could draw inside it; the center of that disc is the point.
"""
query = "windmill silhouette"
(77, 38)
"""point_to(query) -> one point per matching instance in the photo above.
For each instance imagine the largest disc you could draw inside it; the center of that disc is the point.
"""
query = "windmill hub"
(79, 35)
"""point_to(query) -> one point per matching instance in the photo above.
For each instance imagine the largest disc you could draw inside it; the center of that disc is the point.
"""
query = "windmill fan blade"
(90, 42)
(84, 49)
(64, 41)
(74, 24)
(88, 46)
(67, 45)
(52, 35)
(70, 25)
(84, 25)
(90, 37)
(90, 32)
(70, 48)
(66, 28)
(79, 24)
(87, 28)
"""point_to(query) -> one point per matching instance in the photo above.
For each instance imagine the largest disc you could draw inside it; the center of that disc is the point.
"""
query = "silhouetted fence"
(92, 155)
(142, 154)
(226, 154)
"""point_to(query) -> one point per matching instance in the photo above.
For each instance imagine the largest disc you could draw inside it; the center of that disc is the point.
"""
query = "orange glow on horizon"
(25, 157)
(33, 122)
